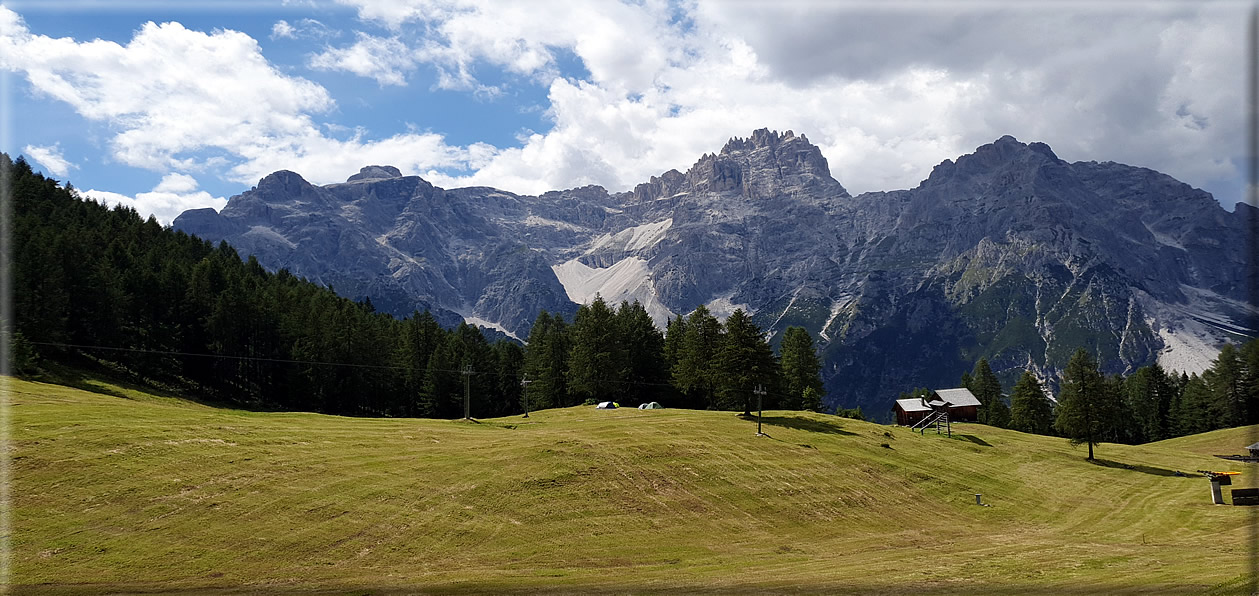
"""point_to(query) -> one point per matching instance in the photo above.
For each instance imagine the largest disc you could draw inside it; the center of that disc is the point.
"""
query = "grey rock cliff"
(1007, 253)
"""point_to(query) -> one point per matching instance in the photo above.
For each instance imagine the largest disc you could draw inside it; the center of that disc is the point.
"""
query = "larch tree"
(1084, 414)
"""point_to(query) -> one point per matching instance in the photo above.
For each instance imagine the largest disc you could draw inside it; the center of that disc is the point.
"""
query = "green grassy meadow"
(116, 490)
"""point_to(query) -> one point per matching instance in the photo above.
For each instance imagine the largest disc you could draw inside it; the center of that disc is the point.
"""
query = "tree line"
(1151, 404)
(101, 284)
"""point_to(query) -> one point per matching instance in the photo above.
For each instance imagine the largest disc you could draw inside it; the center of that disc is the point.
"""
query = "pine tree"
(1084, 413)
(1148, 400)
(595, 356)
(987, 390)
(694, 374)
(1030, 410)
(744, 362)
(1225, 378)
(1193, 413)
(674, 333)
(642, 346)
(801, 369)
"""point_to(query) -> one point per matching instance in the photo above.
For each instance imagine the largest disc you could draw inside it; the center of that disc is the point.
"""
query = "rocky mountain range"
(1008, 253)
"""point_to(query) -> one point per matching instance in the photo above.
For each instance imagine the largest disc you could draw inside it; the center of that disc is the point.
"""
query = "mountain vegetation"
(1008, 253)
(1148, 405)
(103, 285)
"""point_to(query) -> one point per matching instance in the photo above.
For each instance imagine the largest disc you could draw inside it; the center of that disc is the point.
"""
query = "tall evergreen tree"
(694, 374)
(1193, 411)
(1084, 414)
(744, 362)
(1148, 400)
(1225, 377)
(1030, 410)
(987, 390)
(801, 370)
(595, 357)
(642, 348)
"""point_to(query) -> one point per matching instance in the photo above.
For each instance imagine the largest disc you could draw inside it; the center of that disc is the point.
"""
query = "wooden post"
(760, 393)
(524, 384)
(467, 392)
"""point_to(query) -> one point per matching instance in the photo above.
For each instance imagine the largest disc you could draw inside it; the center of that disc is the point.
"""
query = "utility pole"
(524, 391)
(467, 391)
(760, 393)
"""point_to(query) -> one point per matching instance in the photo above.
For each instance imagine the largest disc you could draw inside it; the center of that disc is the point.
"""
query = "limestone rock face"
(1007, 253)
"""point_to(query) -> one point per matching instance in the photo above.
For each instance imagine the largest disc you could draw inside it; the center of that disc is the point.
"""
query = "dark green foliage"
(1030, 410)
(1227, 382)
(693, 374)
(180, 311)
(853, 413)
(643, 371)
(546, 362)
(987, 389)
(744, 362)
(596, 356)
(801, 370)
(1148, 397)
(1086, 413)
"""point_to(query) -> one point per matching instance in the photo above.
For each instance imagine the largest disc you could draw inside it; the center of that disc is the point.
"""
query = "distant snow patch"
(627, 280)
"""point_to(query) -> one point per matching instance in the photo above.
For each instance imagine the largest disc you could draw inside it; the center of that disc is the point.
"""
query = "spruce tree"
(1030, 410)
(801, 370)
(1225, 378)
(987, 390)
(642, 348)
(694, 373)
(546, 362)
(595, 356)
(744, 362)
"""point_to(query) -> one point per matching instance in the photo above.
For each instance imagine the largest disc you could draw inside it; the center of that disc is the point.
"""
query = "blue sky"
(167, 106)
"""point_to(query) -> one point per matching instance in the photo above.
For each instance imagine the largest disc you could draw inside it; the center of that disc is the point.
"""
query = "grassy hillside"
(122, 491)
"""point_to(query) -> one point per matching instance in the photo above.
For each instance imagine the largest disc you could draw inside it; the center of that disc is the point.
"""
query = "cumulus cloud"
(50, 158)
(174, 194)
(887, 92)
(385, 59)
(282, 29)
(186, 100)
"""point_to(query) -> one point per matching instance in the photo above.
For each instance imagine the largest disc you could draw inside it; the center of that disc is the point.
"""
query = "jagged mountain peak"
(1003, 154)
(766, 164)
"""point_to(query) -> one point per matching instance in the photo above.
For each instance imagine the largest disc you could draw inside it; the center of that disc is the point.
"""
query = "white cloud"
(282, 29)
(50, 158)
(886, 92)
(385, 59)
(174, 194)
(187, 100)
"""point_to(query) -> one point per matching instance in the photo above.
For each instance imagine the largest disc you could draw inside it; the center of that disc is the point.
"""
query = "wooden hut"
(910, 411)
(963, 405)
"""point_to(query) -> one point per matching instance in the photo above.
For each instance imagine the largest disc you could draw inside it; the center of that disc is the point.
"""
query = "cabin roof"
(958, 397)
(913, 405)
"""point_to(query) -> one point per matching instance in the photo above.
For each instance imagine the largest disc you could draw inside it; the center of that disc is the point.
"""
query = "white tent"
(606, 405)
(651, 406)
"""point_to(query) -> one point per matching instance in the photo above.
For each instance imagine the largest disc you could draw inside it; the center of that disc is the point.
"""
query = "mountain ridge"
(1008, 253)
